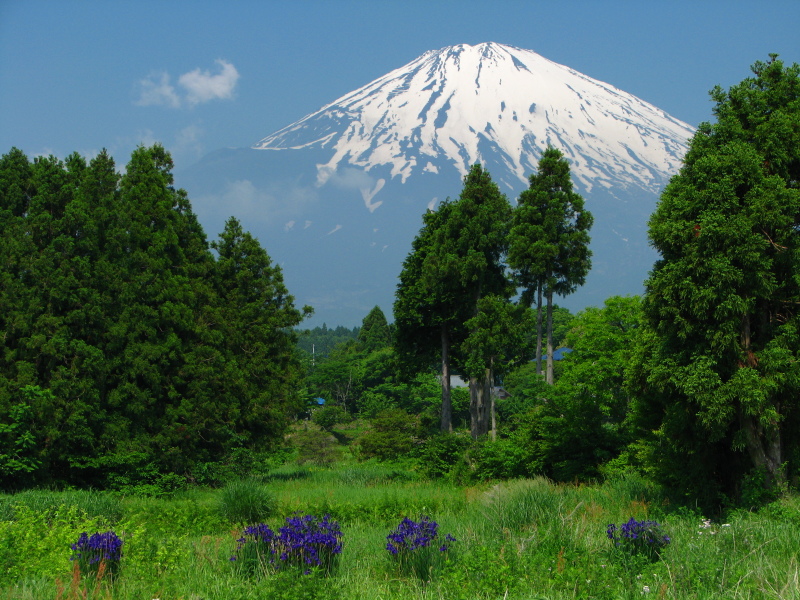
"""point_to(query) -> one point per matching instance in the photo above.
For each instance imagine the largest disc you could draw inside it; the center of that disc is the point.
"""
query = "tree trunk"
(475, 405)
(539, 329)
(480, 398)
(492, 407)
(763, 443)
(447, 405)
(549, 376)
(764, 448)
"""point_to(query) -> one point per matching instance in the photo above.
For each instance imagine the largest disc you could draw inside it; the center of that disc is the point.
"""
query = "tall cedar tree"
(549, 242)
(455, 261)
(375, 332)
(112, 305)
(722, 379)
(427, 310)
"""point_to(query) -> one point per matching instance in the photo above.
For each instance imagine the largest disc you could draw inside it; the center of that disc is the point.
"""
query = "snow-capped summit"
(338, 196)
(497, 104)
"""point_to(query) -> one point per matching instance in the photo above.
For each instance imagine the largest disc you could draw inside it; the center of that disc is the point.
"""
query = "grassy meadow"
(520, 539)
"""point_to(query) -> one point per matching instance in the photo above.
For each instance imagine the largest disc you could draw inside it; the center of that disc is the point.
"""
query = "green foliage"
(246, 501)
(573, 429)
(320, 341)
(441, 453)
(392, 435)
(329, 416)
(526, 389)
(38, 544)
(18, 444)
(314, 446)
(290, 586)
(141, 354)
(93, 504)
(717, 378)
(374, 333)
(498, 459)
(455, 261)
(548, 246)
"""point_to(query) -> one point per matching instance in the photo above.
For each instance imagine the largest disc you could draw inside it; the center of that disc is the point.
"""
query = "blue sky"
(198, 76)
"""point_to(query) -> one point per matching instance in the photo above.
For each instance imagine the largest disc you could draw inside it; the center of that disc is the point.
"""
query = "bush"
(442, 452)
(329, 416)
(315, 446)
(246, 501)
(392, 435)
(498, 459)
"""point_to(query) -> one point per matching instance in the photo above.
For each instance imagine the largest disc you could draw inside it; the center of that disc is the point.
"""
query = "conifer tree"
(719, 383)
(549, 242)
(455, 261)
(374, 333)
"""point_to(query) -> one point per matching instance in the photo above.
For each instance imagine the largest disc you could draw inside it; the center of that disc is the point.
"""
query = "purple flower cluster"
(411, 535)
(303, 542)
(645, 537)
(92, 550)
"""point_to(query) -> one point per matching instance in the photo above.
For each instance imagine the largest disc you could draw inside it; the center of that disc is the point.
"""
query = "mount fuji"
(337, 197)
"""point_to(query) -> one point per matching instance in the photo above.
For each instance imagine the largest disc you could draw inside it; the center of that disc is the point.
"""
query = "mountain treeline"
(132, 347)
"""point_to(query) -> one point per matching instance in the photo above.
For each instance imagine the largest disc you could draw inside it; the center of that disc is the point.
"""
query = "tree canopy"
(129, 345)
(549, 241)
(720, 380)
(456, 259)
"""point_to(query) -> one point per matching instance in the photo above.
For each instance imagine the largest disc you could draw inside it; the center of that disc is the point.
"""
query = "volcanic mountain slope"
(337, 197)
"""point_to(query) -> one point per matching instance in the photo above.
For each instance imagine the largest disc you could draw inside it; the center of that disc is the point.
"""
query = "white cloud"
(289, 226)
(157, 90)
(307, 225)
(334, 230)
(202, 86)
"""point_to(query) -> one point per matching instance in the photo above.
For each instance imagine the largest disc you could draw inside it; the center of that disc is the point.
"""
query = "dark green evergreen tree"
(375, 333)
(719, 383)
(257, 317)
(549, 242)
(148, 355)
(455, 261)
(428, 310)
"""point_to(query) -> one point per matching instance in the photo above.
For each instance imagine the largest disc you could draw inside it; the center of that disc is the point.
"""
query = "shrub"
(413, 547)
(392, 435)
(98, 554)
(440, 453)
(315, 446)
(328, 416)
(638, 538)
(304, 543)
(246, 501)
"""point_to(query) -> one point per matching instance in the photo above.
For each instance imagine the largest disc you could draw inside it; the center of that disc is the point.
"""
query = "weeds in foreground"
(519, 540)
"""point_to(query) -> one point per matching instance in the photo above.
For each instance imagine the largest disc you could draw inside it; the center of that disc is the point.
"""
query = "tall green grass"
(518, 540)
